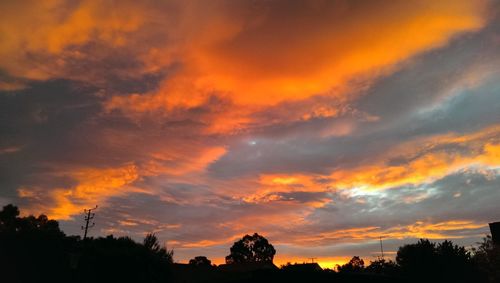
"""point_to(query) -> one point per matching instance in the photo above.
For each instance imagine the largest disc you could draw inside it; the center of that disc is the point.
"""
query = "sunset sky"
(322, 125)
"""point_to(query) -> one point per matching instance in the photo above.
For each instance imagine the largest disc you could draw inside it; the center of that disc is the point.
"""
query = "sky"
(321, 125)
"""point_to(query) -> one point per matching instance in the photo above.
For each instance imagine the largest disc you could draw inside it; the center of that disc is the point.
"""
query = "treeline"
(444, 262)
(34, 249)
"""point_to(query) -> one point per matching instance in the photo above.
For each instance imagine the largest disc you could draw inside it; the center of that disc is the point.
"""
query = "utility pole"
(89, 215)
(381, 248)
(312, 259)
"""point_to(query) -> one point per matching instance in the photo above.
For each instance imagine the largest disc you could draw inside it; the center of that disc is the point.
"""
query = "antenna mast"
(381, 248)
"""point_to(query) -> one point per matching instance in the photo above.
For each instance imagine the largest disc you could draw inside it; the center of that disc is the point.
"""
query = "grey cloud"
(466, 195)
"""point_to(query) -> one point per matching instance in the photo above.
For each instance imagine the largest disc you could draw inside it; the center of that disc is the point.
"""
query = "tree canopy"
(487, 259)
(34, 249)
(443, 261)
(200, 261)
(151, 242)
(355, 265)
(251, 248)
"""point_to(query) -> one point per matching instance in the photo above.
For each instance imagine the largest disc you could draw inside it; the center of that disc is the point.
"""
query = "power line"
(89, 215)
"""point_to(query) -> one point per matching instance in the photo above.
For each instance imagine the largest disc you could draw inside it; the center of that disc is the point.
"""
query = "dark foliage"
(444, 261)
(200, 261)
(487, 259)
(355, 265)
(34, 249)
(384, 267)
(301, 267)
(151, 242)
(253, 248)
(121, 260)
(290, 276)
(435, 262)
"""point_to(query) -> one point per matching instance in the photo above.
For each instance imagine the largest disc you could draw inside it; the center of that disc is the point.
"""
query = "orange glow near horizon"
(279, 260)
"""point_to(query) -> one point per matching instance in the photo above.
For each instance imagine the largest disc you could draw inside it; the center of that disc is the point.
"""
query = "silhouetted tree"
(418, 259)
(122, 260)
(355, 265)
(253, 248)
(200, 261)
(32, 247)
(444, 261)
(382, 266)
(151, 242)
(8, 217)
(454, 261)
(487, 259)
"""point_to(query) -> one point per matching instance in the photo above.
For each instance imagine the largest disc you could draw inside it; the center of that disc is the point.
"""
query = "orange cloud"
(93, 187)
(176, 162)
(287, 180)
(419, 229)
(427, 160)
(165, 153)
(180, 160)
(422, 161)
(202, 244)
(253, 55)
(271, 185)
(39, 38)
(280, 57)
(263, 56)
